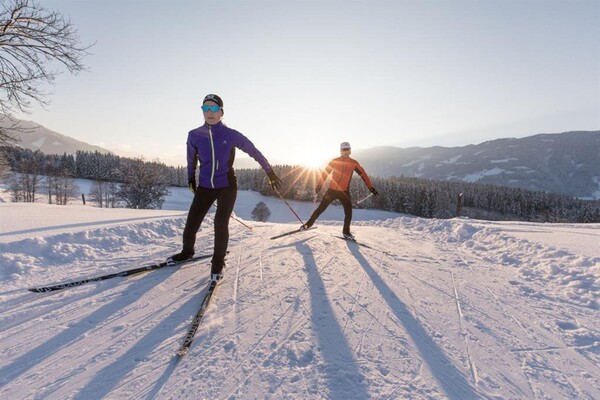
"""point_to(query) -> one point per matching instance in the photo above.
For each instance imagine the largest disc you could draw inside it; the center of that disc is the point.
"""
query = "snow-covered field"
(457, 309)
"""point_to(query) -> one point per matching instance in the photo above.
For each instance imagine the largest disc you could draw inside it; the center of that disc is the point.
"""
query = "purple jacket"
(214, 147)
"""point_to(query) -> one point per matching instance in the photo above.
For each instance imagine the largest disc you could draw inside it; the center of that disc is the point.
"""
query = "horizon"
(244, 158)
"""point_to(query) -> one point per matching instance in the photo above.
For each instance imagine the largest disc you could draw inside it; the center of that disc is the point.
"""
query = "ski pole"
(240, 221)
(364, 198)
(236, 219)
(287, 204)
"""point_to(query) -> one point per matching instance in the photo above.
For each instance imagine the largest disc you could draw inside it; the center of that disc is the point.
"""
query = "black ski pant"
(203, 200)
(331, 195)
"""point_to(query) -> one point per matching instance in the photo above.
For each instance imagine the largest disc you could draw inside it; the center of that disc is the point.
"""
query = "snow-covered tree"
(261, 212)
(144, 185)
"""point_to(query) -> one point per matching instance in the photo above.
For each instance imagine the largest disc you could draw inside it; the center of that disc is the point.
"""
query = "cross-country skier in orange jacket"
(342, 169)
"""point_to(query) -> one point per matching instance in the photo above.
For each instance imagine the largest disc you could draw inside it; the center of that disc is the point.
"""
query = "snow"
(39, 143)
(451, 160)
(505, 160)
(474, 177)
(417, 161)
(439, 309)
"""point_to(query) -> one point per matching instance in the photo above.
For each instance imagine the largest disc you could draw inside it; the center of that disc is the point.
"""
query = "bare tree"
(66, 189)
(50, 185)
(32, 41)
(62, 187)
(104, 194)
(25, 184)
(97, 193)
(23, 187)
(35, 44)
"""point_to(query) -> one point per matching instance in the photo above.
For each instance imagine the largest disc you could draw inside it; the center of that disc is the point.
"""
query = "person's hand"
(374, 191)
(192, 185)
(317, 188)
(274, 180)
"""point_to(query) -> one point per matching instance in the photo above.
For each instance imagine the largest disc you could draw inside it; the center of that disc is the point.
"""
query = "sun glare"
(314, 161)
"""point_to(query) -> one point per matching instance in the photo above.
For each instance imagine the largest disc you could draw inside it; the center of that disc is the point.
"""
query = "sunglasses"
(207, 108)
(345, 149)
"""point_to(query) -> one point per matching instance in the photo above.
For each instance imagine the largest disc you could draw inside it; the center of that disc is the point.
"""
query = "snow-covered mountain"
(437, 309)
(33, 136)
(567, 163)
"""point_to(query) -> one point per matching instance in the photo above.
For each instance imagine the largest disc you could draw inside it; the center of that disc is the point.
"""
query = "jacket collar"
(219, 125)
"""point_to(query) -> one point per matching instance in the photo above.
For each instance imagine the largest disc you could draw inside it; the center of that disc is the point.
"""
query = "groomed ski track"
(441, 315)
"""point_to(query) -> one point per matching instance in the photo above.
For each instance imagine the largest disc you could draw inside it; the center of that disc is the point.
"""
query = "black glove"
(374, 191)
(274, 180)
(317, 188)
(192, 185)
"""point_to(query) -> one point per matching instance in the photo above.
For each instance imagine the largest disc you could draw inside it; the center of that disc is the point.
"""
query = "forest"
(136, 183)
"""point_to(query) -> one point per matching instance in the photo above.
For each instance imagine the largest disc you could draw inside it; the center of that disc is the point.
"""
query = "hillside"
(565, 163)
(453, 309)
(33, 136)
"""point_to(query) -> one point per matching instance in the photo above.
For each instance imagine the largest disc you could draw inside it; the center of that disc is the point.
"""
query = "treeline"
(118, 181)
(86, 165)
(436, 199)
(415, 196)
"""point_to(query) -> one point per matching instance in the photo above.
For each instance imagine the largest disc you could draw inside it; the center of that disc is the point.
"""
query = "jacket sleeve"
(192, 158)
(244, 144)
(361, 172)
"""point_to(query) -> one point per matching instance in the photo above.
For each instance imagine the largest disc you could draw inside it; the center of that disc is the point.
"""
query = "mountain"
(437, 309)
(567, 163)
(34, 136)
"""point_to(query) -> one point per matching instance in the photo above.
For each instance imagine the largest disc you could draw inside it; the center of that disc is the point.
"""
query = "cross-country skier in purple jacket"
(213, 146)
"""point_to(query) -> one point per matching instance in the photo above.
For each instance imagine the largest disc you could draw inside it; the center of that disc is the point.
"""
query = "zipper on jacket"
(343, 173)
(212, 149)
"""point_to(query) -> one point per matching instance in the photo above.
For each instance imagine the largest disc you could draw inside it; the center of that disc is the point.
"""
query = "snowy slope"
(453, 309)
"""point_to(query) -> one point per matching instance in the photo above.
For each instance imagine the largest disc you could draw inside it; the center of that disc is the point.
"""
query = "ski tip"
(181, 352)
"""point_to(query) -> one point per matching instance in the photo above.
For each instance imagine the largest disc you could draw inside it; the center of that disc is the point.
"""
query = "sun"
(314, 161)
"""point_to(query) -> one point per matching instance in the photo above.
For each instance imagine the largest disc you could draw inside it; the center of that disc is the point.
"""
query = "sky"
(299, 77)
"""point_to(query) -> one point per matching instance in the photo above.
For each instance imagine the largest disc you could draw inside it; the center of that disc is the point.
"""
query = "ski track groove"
(351, 312)
(464, 333)
(494, 296)
(274, 351)
(548, 335)
(260, 340)
(68, 298)
(233, 303)
(260, 265)
(276, 322)
(237, 280)
(415, 315)
(120, 341)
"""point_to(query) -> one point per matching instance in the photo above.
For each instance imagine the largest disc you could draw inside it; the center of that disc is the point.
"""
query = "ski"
(361, 244)
(128, 272)
(292, 232)
(189, 337)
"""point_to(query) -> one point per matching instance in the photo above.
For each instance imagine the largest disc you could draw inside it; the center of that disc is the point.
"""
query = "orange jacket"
(342, 168)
